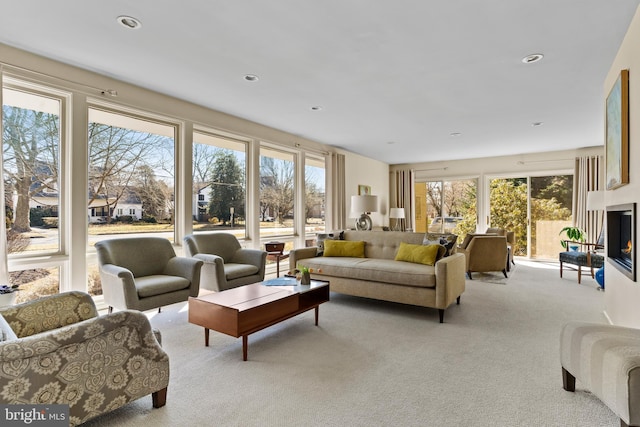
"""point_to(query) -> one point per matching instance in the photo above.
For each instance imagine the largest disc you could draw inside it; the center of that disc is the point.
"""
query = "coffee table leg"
(206, 337)
(244, 347)
(317, 313)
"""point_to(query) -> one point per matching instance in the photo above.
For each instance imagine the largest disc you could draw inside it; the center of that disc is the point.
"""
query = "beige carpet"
(494, 362)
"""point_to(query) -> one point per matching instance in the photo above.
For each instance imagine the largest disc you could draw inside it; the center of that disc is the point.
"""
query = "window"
(130, 170)
(219, 184)
(447, 207)
(32, 135)
(277, 192)
(314, 195)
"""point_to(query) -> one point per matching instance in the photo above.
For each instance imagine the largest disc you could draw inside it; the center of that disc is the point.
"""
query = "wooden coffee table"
(242, 311)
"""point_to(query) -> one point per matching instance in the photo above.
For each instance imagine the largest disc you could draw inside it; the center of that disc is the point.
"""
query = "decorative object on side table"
(8, 294)
(398, 215)
(361, 207)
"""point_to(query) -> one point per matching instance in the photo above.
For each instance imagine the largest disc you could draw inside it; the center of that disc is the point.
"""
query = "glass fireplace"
(621, 238)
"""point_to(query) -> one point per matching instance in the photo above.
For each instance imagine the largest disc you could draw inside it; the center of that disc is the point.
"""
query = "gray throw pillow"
(447, 240)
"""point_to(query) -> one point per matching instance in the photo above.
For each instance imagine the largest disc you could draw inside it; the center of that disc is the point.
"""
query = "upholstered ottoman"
(606, 360)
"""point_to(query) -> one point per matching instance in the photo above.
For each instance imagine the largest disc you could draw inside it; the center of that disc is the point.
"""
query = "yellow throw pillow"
(346, 248)
(419, 254)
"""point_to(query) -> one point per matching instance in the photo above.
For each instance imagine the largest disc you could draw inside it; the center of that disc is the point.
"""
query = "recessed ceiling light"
(536, 124)
(534, 57)
(391, 142)
(316, 108)
(455, 133)
(129, 22)
(251, 77)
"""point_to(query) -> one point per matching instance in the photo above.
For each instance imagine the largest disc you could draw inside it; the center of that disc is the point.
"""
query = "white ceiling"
(394, 78)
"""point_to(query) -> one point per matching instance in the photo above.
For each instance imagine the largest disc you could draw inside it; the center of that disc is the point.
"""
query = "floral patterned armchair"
(59, 351)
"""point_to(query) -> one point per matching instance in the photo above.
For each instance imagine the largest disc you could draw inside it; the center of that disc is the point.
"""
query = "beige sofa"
(379, 276)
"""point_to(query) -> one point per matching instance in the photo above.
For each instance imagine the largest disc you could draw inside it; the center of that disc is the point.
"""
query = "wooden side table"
(275, 252)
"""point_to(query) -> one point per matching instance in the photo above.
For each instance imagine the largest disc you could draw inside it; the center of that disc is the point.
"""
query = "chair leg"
(568, 381)
(579, 274)
(469, 275)
(159, 309)
(505, 273)
(159, 398)
(561, 269)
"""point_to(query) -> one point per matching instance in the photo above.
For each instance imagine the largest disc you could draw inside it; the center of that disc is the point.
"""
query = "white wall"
(361, 170)
(622, 296)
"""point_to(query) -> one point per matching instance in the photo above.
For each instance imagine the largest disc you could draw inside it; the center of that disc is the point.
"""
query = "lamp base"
(364, 223)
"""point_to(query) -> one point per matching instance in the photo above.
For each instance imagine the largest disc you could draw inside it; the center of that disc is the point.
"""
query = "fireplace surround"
(621, 238)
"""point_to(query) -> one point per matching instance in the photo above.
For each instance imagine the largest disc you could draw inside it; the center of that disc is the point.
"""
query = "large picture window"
(219, 184)
(31, 122)
(130, 178)
(277, 192)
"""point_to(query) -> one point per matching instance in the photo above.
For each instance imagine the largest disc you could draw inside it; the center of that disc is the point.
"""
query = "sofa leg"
(458, 300)
(469, 275)
(110, 310)
(159, 309)
(568, 381)
(159, 398)
(441, 313)
(505, 274)
(561, 269)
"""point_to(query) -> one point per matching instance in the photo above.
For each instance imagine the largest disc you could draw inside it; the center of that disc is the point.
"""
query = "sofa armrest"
(296, 255)
(450, 279)
(50, 312)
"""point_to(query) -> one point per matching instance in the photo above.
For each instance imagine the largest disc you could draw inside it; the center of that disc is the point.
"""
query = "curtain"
(588, 176)
(403, 195)
(336, 203)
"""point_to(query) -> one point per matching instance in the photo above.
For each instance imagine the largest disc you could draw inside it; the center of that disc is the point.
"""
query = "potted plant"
(574, 234)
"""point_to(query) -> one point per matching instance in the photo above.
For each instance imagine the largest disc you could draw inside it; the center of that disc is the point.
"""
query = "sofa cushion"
(321, 237)
(374, 270)
(149, 286)
(421, 254)
(234, 271)
(343, 248)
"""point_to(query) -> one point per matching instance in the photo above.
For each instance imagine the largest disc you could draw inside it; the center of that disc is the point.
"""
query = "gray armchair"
(226, 264)
(57, 350)
(144, 272)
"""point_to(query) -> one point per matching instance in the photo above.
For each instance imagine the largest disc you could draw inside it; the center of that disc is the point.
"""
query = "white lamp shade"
(396, 213)
(595, 200)
(363, 204)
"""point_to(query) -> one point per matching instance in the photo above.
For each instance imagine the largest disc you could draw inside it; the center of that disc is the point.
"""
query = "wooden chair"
(583, 258)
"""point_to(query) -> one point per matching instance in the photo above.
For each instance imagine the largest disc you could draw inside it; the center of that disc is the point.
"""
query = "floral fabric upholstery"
(65, 354)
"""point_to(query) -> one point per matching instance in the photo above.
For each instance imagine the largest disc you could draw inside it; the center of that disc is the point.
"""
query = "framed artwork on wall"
(617, 133)
(364, 190)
